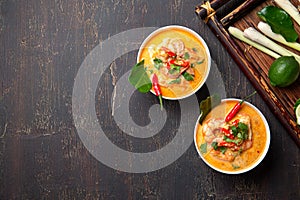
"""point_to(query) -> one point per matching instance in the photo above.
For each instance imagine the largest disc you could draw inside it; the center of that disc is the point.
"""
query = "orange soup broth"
(190, 41)
(259, 138)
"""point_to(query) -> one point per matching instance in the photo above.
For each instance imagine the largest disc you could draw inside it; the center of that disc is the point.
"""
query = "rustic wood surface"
(41, 156)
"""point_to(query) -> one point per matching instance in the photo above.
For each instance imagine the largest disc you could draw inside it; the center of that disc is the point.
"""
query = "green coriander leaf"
(223, 149)
(176, 81)
(240, 136)
(234, 130)
(200, 62)
(186, 55)
(236, 141)
(235, 166)
(214, 145)
(158, 63)
(242, 126)
(188, 76)
(242, 131)
(177, 67)
(203, 148)
(174, 69)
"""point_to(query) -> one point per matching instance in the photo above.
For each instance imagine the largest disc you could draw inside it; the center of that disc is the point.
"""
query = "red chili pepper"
(236, 108)
(185, 63)
(157, 89)
(233, 111)
(227, 133)
(226, 144)
(168, 66)
(235, 122)
(170, 53)
(172, 61)
(181, 63)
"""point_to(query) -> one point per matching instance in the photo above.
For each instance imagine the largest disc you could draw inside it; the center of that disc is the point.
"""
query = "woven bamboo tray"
(219, 15)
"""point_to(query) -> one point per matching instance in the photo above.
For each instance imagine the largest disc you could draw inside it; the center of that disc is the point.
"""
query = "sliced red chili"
(226, 144)
(181, 63)
(227, 133)
(236, 122)
(170, 53)
(168, 66)
(185, 63)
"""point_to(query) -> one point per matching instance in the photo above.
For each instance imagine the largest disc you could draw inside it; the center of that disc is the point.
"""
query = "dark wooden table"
(44, 45)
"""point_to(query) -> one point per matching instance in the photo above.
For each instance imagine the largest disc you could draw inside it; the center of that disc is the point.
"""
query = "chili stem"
(160, 102)
(247, 97)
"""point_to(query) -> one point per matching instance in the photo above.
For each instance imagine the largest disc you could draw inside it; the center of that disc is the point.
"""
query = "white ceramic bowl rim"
(263, 154)
(198, 37)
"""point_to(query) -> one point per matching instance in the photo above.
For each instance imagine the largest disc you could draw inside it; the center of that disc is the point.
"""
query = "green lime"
(296, 104)
(297, 112)
(284, 71)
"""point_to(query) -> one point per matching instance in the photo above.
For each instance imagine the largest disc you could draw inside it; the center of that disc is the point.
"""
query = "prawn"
(211, 129)
(177, 46)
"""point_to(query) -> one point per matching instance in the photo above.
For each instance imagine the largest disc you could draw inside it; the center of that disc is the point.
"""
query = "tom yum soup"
(179, 58)
(233, 146)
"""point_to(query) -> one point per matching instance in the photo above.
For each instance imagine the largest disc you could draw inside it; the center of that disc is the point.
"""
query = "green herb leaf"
(174, 69)
(158, 63)
(223, 149)
(214, 145)
(208, 104)
(200, 62)
(234, 130)
(217, 148)
(186, 55)
(236, 141)
(176, 81)
(280, 22)
(243, 130)
(177, 67)
(188, 76)
(139, 78)
(203, 148)
(235, 166)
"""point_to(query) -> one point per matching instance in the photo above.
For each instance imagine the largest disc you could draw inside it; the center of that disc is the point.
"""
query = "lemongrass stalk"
(254, 35)
(290, 9)
(266, 29)
(239, 35)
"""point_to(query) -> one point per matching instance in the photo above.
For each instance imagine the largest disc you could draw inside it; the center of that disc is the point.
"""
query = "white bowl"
(162, 29)
(261, 157)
